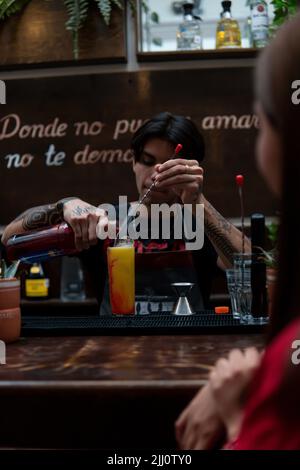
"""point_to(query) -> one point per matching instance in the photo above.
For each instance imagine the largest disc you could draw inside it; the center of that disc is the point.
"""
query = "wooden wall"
(64, 136)
(37, 36)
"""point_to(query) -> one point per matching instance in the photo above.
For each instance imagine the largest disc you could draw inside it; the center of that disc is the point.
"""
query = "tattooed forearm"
(84, 210)
(223, 244)
(21, 216)
(226, 238)
(222, 223)
(41, 216)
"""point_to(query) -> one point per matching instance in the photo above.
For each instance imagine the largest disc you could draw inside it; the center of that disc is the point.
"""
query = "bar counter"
(104, 392)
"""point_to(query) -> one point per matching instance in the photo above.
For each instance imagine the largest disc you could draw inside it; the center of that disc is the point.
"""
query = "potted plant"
(10, 315)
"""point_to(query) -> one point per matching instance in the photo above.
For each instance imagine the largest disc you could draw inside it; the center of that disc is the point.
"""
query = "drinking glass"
(232, 289)
(244, 295)
(121, 269)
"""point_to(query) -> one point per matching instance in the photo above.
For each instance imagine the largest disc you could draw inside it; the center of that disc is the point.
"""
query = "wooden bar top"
(104, 391)
(118, 358)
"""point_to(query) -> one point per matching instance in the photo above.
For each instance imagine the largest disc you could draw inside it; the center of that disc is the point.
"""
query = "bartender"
(159, 262)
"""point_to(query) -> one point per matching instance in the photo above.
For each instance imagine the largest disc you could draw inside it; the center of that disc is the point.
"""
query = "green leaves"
(145, 6)
(8, 272)
(118, 4)
(272, 233)
(105, 9)
(271, 257)
(154, 17)
(283, 9)
(157, 41)
(77, 11)
(9, 7)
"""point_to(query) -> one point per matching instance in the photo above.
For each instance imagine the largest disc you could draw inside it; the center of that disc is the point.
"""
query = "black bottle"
(259, 306)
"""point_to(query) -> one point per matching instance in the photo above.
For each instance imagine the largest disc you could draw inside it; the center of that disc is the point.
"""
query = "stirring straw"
(177, 150)
(129, 217)
(240, 182)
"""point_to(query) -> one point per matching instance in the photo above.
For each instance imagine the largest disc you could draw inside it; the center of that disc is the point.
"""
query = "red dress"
(272, 414)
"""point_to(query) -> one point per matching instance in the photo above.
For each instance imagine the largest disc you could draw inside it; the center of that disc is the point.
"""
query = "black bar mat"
(164, 323)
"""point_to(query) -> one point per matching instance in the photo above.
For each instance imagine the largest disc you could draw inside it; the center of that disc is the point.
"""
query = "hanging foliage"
(77, 13)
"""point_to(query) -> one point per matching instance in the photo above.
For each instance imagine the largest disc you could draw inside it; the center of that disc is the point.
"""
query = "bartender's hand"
(229, 382)
(199, 426)
(83, 218)
(185, 177)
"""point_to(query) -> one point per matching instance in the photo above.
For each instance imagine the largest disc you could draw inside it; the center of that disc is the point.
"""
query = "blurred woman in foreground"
(253, 399)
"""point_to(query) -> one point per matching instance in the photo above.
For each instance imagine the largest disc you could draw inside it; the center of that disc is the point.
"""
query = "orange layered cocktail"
(120, 259)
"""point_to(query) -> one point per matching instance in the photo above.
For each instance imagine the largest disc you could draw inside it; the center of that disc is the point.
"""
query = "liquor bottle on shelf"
(36, 284)
(189, 34)
(228, 34)
(40, 245)
(259, 23)
(248, 31)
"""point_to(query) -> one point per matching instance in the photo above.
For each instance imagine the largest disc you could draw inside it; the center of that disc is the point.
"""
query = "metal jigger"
(182, 306)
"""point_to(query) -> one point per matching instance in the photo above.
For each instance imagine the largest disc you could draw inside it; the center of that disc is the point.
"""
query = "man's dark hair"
(174, 129)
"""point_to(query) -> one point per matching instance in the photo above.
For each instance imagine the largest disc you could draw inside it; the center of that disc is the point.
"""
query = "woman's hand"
(185, 177)
(229, 382)
(199, 426)
(83, 218)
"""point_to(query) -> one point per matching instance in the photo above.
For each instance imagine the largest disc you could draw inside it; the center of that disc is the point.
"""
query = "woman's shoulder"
(286, 349)
(284, 342)
(272, 413)
(277, 363)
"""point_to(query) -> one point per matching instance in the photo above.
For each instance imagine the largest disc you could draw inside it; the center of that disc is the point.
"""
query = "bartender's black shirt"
(94, 263)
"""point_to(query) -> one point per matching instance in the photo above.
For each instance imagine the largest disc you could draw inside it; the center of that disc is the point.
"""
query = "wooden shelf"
(240, 53)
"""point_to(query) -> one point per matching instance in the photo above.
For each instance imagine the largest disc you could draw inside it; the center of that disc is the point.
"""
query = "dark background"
(111, 97)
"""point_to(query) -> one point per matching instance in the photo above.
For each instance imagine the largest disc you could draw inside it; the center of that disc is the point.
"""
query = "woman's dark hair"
(174, 129)
(278, 68)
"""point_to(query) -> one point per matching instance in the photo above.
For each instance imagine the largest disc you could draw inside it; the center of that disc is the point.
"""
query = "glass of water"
(232, 289)
(244, 295)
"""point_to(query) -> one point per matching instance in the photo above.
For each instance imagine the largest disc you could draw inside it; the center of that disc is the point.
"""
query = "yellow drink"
(121, 278)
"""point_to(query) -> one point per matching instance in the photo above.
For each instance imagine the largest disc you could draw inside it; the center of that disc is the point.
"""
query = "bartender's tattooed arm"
(224, 236)
(33, 218)
(43, 216)
(40, 216)
(36, 217)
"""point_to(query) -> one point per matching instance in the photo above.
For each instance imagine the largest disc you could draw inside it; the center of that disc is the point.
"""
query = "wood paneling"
(218, 100)
(37, 36)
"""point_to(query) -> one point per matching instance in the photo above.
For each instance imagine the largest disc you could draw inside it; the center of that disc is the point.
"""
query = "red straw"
(178, 148)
